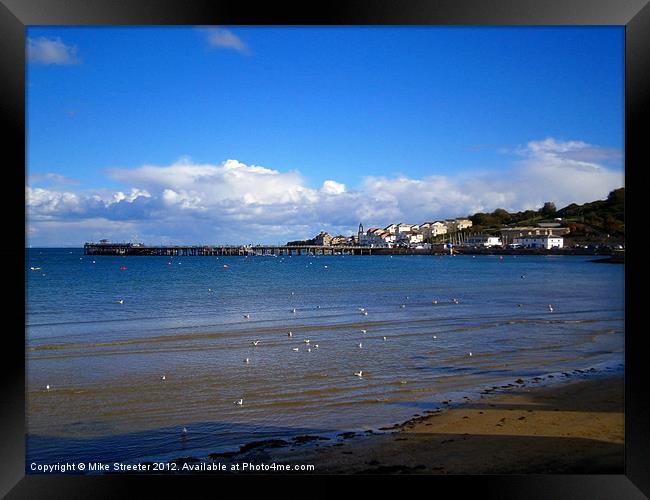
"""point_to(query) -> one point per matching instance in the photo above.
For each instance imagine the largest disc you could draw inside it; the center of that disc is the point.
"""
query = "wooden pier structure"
(221, 250)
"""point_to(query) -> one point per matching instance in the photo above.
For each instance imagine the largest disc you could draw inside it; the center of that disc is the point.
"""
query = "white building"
(483, 240)
(432, 229)
(457, 224)
(410, 238)
(546, 241)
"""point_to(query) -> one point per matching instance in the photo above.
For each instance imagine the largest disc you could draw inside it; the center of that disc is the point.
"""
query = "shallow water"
(104, 360)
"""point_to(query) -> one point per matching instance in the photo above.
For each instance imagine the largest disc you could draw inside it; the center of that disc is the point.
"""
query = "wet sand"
(574, 426)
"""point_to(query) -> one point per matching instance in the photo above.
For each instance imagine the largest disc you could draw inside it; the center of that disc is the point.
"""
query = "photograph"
(325, 249)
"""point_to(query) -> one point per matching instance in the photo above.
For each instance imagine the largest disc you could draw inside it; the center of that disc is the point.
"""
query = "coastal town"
(449, 233)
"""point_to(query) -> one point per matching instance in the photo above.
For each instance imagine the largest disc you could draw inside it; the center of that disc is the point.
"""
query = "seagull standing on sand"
(239, 402)
(293, 311)
(360, 346)
(184, 431)
(247, 360)
(316, 346)
(295, 349)
(247, 316)
(47, 387)
(306, 341)
(365, 313)
(255, 342)
(434, 301)
(163, 377)
(290, 334)
(470, 354)
(121, 301)
(550, 308)
(363, 331)
(385, 338)
(359, 373)
(434, 337)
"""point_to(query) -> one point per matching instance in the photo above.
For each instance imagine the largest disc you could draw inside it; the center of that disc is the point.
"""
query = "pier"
(221, 250)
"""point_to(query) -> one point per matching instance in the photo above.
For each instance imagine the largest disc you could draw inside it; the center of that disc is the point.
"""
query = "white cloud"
(333, 187)
(232, 202)
(226, 39)
(44, 50)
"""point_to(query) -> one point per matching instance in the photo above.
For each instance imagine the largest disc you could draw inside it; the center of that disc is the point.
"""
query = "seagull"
(470, 354)
(247, 360)
(407, 297)
(295, 349)
(247, 316)
(47, 387)
(317, 307)
(360, 346)
(184, 431)
(359, 373)
(365, 313)
(238, 402)
(455, 301)
(434, 301)
(293, 311)
(363, 331)
(306, 341)
(434, 337)
(316, 346)
(523, 276)
(209, 289)
(35, 268)
(308, 349)
(290, 334)
(225, 265)
(291, 293)
(121, 301)
(361, 309)
(163, 377)
(385, 338)
(255, 342)
(402, 306)
(325, 267)
(550, 308)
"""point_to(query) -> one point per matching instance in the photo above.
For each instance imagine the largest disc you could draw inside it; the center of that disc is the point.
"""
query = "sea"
(123, 352)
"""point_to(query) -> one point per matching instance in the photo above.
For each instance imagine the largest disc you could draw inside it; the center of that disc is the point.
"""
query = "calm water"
(104, 360)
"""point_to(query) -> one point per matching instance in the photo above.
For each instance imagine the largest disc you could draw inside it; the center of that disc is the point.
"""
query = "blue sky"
(323, 126)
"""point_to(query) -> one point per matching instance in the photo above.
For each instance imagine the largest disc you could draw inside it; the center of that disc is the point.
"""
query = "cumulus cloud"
(232, 202)
(226, 39)
(45, 50)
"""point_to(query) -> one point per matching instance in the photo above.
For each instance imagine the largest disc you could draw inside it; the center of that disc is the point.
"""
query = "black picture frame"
(16, 15)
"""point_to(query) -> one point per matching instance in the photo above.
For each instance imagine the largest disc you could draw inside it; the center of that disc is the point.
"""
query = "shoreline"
(568, 426)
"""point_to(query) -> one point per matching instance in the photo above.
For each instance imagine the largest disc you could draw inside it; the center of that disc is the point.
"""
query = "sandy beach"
(573, 426)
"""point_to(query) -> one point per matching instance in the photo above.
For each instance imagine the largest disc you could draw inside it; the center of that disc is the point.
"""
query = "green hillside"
(595, 219)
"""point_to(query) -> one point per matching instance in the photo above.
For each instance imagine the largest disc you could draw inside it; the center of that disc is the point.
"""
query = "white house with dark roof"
(483, 240)
(546, 241)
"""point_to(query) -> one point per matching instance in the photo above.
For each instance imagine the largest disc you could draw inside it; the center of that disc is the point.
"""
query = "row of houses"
(404, 234)
(545, 235)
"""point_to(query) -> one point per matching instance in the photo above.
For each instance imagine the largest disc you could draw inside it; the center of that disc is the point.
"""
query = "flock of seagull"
(307, 342)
